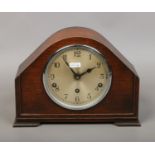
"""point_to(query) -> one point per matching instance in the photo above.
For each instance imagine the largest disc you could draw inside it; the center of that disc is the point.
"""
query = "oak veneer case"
(33, 106)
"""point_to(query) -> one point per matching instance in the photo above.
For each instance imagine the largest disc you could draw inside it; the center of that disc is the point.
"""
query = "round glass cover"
(77, 77)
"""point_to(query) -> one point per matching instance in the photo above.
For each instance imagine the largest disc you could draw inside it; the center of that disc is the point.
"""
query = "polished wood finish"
(33, 106)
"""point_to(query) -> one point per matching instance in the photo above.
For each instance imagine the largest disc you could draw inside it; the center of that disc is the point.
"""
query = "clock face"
(77, 77)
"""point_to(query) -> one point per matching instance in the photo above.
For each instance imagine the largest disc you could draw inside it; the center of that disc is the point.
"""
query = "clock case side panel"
(135, 121)
(18, 100)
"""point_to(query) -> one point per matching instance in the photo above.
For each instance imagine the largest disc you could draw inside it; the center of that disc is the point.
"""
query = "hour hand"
(87, 71)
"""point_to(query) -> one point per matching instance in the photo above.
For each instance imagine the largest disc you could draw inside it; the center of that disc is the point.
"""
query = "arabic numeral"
(98, 64)
(97, 88)
(90, 56)
(64, 57)
(57, 64)
(89, 96)
(77, 53)
(77, 99)
(102, 76)
(52, 76)
(65, 96)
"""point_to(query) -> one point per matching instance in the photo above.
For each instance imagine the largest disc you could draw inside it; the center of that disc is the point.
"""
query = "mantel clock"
(76, 76)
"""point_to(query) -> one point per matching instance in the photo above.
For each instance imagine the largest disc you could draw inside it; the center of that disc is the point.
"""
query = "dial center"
(77, 77)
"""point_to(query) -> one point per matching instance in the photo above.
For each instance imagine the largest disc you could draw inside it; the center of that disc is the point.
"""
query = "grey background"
(133, 34)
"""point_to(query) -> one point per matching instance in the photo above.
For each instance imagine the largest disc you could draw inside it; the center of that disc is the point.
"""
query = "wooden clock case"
(33, 106)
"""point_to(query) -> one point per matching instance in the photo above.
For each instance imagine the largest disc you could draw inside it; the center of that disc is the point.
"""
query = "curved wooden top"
(73, 32)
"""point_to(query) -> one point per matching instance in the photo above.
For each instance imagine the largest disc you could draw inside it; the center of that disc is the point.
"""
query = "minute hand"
(69, 67)
(87, 71)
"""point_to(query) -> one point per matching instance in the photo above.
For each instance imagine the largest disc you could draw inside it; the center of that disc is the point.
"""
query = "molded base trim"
(35, 124)
(128, 123)
(25, 124)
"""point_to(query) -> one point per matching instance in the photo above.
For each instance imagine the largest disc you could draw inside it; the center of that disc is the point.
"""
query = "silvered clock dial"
(77, 77)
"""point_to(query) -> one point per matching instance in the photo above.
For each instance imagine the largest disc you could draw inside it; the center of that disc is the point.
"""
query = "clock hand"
(75, 74)
(87, 71)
